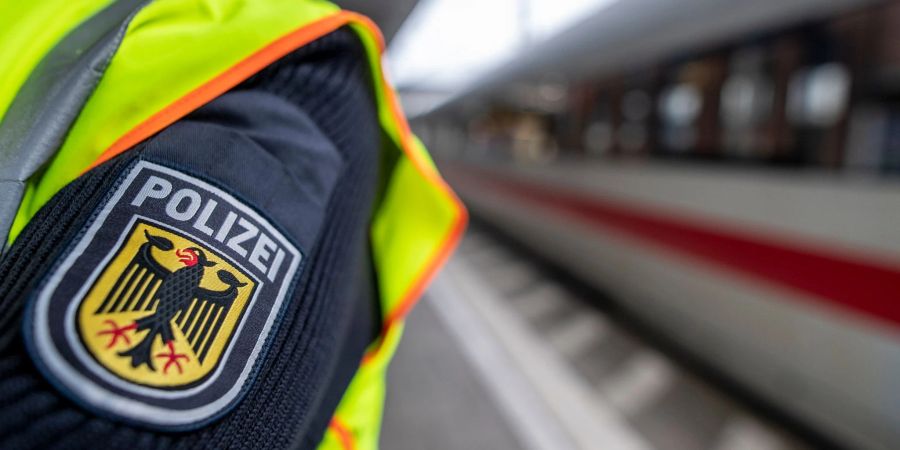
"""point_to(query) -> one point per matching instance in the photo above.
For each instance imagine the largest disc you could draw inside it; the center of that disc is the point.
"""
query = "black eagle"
(145, 285)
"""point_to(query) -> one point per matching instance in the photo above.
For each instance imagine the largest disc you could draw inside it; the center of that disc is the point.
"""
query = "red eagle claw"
(117, 332)
(172, 358)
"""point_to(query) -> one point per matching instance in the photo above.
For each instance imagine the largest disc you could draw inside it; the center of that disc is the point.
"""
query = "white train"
(788, 283)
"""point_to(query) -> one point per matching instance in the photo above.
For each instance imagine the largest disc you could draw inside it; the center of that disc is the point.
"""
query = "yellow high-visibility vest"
(417, 224)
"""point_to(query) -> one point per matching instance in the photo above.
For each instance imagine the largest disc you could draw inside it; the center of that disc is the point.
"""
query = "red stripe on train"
(848, 281)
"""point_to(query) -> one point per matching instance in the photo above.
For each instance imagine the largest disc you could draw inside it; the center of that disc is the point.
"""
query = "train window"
(747, 95)
(599, 132)
(636, 108)
(867, 137)
(598, 137)
(680, 105)
(818, 96)
(746, 100)
(632, 137)
(636, 105)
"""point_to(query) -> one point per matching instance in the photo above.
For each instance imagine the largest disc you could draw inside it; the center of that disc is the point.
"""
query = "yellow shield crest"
(163, 311)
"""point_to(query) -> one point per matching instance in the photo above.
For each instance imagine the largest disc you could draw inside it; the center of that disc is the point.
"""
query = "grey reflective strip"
(39, 118)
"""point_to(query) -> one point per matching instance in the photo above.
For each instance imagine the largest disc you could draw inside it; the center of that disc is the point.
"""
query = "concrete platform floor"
(500, 356)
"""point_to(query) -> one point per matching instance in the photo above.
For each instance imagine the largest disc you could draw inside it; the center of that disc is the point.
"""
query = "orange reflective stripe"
(454, 234)
(225, 81)
(450, 241)
(432, 176)
(343, 433)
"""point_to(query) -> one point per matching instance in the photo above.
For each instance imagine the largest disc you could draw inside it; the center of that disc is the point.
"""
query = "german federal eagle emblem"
(163, 311)
(160, 309)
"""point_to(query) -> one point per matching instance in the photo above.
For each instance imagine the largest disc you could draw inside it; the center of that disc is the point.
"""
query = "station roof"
(624, 35)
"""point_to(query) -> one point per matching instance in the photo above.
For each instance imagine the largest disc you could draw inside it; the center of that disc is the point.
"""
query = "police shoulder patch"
(159, 310)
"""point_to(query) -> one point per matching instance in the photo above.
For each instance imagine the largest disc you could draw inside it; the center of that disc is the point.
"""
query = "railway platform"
(502, 354)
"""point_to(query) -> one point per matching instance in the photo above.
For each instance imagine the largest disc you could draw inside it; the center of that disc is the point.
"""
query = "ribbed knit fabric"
(325, 327)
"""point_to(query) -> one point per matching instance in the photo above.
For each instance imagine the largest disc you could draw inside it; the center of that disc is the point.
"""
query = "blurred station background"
(685, 224)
